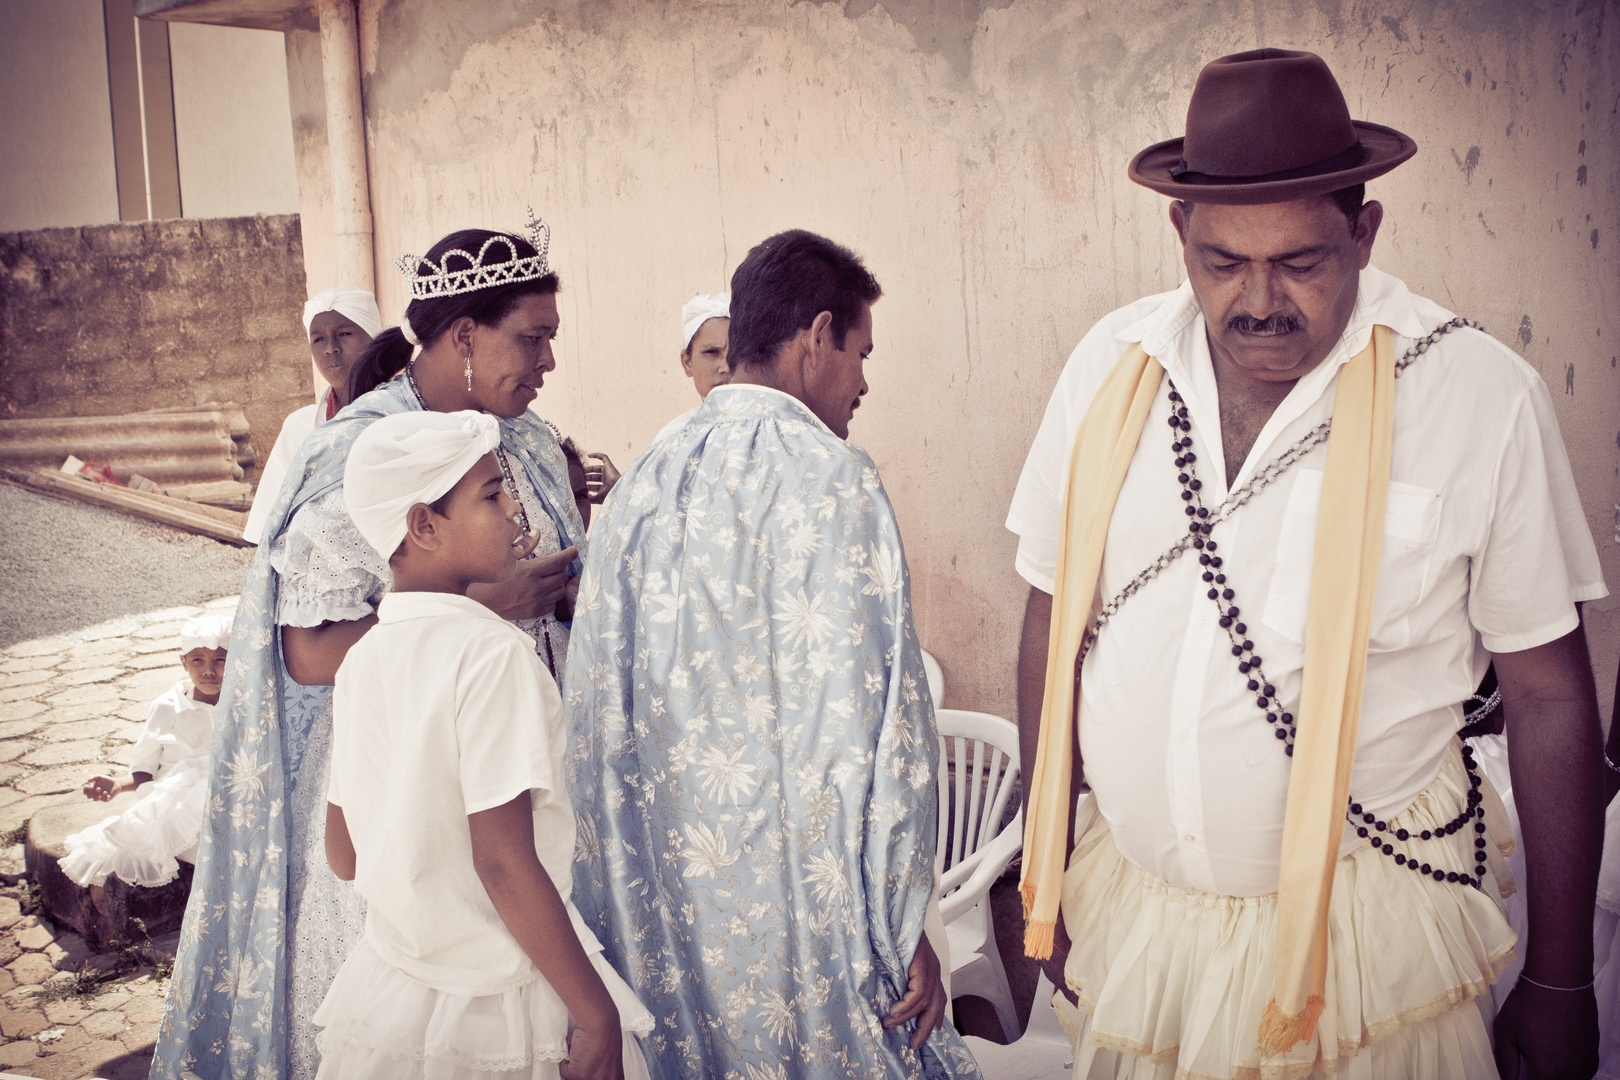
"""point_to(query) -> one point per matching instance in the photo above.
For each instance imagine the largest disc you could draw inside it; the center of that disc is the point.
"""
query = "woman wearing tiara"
(268, 924)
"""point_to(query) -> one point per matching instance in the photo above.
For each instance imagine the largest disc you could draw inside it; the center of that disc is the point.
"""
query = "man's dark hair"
(784, 283)
(1348, 200)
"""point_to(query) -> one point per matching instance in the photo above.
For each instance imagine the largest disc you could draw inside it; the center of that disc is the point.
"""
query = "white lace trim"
(332, 1042)
(328, 572)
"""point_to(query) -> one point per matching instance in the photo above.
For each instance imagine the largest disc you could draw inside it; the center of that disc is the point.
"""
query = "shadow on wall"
(115, 319)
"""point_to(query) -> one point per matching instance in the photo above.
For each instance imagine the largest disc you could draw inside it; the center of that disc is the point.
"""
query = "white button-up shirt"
(1486, 549)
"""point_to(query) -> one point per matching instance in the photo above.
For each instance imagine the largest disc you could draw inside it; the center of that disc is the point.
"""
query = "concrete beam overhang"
(252, 14)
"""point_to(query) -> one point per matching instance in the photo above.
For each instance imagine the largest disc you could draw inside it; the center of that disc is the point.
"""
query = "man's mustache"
(1273, 325)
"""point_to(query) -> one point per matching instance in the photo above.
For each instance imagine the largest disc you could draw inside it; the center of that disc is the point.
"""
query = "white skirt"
(377, 1023)
(144, 844)
(1172, 982)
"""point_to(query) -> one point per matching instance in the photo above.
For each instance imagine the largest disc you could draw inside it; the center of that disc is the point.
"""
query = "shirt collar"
(756, 400)
(402, 606)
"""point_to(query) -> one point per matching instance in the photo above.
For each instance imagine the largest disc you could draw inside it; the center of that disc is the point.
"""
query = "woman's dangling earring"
(468, 372)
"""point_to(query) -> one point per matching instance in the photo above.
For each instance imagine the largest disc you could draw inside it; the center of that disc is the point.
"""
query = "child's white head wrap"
(206, 632)
(356, 305)
(700, 309)
(410, 458)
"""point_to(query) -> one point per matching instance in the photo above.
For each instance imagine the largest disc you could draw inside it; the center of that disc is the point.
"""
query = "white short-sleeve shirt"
(1486, 549)
(443, 710)
(177, 727)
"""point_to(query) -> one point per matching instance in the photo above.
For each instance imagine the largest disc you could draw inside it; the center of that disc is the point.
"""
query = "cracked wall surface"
(974, 153)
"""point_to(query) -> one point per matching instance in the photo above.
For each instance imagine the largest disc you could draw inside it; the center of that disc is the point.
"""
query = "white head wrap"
(207, 632)
(410, 458)
(700, 309)
(356, 305)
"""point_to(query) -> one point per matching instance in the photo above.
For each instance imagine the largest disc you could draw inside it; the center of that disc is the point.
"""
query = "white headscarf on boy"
(409, 458)
(206, 632)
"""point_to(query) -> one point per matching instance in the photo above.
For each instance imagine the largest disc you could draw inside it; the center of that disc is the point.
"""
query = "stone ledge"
(100, 914)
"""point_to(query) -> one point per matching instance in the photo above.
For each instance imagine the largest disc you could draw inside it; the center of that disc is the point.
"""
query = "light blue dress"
(266, 916)
(753, 751)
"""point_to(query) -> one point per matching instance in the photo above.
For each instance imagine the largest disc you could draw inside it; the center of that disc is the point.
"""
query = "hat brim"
(1154, 168)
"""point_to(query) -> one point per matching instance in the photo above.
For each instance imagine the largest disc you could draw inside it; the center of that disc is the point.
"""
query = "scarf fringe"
(1279, 1031)
(1038, 939)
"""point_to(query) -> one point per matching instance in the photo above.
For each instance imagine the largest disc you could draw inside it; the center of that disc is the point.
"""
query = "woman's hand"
(600, 478)
(533, 591)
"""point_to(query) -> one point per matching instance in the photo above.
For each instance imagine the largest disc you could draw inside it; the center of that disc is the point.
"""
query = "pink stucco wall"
(974, 153)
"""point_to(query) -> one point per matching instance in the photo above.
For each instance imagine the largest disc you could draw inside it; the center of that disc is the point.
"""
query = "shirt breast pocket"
(1411, 525)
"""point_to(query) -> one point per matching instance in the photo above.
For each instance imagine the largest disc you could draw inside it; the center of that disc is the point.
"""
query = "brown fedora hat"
(1268, 126)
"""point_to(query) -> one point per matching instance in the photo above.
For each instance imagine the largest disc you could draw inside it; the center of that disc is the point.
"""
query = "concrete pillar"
(346, 143)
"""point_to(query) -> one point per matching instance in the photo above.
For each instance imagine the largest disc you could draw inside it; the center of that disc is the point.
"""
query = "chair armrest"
(972, 877)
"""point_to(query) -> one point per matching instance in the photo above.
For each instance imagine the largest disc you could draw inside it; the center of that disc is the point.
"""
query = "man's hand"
(600, 476)
(1053, 965)
(533, 591)
(1552, 1033)
(925, 996)
(594, 1055)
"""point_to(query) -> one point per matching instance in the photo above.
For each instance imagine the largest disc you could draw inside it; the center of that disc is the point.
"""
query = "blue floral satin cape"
(753, 751)
(226, 1009)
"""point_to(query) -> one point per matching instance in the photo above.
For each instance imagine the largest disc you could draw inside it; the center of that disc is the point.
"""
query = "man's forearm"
(1033, 644)
(1554, 740)
(1032, 647)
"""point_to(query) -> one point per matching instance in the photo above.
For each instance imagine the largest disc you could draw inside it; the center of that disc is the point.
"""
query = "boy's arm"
(339, 847)
(528, 903)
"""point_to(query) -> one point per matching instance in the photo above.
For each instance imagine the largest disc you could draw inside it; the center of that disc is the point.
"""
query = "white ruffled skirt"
(144, 844)
(377, 1023)
(1172, 982)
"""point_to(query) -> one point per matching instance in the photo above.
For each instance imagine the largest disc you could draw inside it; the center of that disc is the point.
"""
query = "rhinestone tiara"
(478, 274)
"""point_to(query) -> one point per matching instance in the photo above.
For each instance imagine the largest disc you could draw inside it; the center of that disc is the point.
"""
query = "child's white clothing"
(144, 844)
(178, 729)
(443, 710)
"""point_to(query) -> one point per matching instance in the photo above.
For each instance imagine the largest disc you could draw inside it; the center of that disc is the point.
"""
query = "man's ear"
(1178, 218)
(686, 361)
(1372, 216)
(819, 338)
(422, 527)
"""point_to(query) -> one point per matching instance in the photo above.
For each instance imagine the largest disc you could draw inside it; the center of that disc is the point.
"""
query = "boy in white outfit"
(447, 805)
(146, 843)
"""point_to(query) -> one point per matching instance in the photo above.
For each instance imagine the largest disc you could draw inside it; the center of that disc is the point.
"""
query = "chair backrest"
(936, 679)
(978, 771)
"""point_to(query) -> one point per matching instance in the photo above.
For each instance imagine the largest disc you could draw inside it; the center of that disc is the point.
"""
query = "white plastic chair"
(936, 679)
(976, 781)
(1041, 1053)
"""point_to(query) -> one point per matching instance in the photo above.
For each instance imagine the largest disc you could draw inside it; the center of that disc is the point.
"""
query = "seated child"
(447, 806)
(143, 844)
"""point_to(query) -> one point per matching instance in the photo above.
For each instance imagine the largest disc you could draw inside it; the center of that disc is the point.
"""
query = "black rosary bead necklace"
(1251, 667)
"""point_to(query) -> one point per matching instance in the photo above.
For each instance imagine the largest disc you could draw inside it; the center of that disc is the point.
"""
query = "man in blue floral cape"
(753, 745)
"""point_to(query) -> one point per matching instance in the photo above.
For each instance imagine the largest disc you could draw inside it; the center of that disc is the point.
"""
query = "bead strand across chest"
(1251, 667)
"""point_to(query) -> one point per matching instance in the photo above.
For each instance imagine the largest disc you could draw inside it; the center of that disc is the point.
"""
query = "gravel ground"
(64, 565)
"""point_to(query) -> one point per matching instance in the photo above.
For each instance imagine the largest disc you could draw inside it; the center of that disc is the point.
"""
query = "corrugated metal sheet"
(193, 447)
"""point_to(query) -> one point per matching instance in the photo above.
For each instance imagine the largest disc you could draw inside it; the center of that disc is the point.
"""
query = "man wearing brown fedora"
(1250, 640)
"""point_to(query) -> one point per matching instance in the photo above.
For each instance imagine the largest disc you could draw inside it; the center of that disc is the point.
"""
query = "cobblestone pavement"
(71, 706)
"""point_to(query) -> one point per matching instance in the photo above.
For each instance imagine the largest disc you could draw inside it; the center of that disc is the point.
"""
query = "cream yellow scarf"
(1349, 541)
